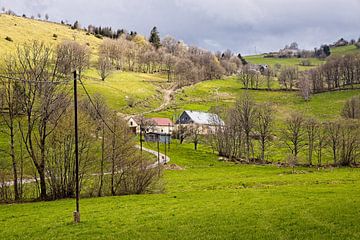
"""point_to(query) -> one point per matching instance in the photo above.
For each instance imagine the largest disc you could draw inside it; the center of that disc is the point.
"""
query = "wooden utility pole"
(158, 150)
(77, 212)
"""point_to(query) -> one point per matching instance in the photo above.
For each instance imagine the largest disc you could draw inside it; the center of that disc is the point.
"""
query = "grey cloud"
(240, 25)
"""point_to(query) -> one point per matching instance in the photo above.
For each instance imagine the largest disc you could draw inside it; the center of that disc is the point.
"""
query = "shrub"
(8, 39)
(130, 101)
(55, 35)
(305, 63)
(99, 36)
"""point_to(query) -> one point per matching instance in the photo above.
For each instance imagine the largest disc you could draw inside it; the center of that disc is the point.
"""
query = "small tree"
(245, 108)
(155, 38)
(312, 129)
(263, 126)
(105, 67)
(293, 134)
(351, 108)
(305, 86)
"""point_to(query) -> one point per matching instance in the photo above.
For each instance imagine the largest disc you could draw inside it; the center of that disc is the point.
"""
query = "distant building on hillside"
(206, 122)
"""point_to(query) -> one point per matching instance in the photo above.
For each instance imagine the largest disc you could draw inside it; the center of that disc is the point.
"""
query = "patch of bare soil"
(173, 167)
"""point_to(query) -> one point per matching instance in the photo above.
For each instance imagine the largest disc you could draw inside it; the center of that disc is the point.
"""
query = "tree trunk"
(102, 161)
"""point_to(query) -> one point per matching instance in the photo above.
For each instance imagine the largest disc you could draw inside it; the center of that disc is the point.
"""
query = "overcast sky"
(243, 26)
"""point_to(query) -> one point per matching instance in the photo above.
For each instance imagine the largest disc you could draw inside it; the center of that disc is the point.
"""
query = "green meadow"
(208, 199)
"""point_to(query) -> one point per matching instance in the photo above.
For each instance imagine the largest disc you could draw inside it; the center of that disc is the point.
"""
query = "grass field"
(260, 59)
(22, 30)
(207, 200)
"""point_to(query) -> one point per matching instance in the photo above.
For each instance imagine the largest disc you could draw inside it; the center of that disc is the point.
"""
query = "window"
(131, 123)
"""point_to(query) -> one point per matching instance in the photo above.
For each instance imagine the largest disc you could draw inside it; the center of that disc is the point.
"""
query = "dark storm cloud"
(241, 25)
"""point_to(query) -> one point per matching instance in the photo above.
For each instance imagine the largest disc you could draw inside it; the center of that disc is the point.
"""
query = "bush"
(8, 39)
(99, 36)
(130, 101)
(357, 45)
(305, 63)
(55, 35)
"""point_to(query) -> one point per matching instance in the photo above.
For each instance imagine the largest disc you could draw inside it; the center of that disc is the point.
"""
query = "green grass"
(145, 89)
(207, 200)
(344, 50)
(22, 30)
(260, 59)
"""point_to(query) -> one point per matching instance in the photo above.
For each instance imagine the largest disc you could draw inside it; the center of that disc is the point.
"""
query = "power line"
(32, 81)
(96, 109)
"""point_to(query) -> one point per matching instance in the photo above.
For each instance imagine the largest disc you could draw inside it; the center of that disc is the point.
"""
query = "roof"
(162, 121)
(204, 118)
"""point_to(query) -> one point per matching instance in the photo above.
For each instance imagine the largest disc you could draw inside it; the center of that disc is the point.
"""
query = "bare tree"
(120, 146)
(246, 114)
(351, 108)
(332, 131)
(104, 67)
(72, 56)
(10, 97)
(305, 86)
(43, 101)
(263, 126)
(312, 129)
(293, 134)
(195, 133)
(287, 77)
(349, 142)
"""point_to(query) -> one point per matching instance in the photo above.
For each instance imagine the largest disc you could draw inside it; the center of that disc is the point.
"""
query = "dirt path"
(168, 96)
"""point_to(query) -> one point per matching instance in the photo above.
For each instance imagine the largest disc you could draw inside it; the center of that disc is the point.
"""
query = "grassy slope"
(208, 200)
(144, 88)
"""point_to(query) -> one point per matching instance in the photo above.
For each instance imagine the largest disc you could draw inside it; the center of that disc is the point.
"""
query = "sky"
(243, 26)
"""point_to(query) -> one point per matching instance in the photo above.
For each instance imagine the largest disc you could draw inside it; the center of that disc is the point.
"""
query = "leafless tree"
(72, 56)
(351, 108)
(120, 146)
(332, 132)
(293, 134)
(263, 125)
(287, 77)
(43, 101)
(312, 132)
(305, 86)
(321, 143)
(104, 67)
(195, 134)
(349, 142)
(10, 99)
(246, 114)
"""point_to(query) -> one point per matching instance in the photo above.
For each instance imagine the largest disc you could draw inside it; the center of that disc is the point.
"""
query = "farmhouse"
(151, 125)
(160, 126)
(206, 122)
(133, 125)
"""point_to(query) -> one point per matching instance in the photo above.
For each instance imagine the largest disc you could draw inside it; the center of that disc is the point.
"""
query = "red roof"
(162, 121)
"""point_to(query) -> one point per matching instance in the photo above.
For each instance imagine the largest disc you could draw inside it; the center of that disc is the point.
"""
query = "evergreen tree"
(155, 38)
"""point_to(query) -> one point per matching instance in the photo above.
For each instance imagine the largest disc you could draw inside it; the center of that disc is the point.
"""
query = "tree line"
(181, 63)
(249, 131)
